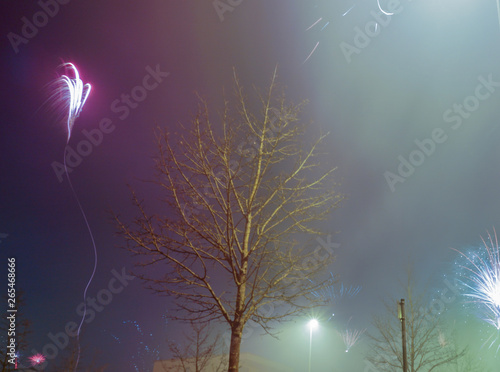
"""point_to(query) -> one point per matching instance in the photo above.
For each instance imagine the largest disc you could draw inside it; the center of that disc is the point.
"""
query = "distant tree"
(22, 331)
(428, 347)
(239, 201)
(67, 361)
(468, 363)
(200, 349)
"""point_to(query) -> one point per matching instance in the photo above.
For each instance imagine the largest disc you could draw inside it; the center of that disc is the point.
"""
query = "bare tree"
(19, 333)
(239, 201)
(200, 350)
(428, 343)
(68, 360)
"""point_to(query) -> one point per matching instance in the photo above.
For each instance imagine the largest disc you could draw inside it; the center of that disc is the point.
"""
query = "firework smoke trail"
(74, 94)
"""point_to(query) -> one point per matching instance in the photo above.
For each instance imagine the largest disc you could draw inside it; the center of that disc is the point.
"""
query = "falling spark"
(348, 10)
(314, 24)
(310, 54)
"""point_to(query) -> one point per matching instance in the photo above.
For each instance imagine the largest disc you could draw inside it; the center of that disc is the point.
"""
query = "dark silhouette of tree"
(22, 331)
(239, 201)
(428, 342)
(67, 360)
(201, 349)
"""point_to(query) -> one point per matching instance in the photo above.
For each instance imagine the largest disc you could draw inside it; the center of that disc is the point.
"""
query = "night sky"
(412, 112)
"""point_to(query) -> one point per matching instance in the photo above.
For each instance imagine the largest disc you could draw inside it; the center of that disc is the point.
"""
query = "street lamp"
(313, 324)
(401, 316)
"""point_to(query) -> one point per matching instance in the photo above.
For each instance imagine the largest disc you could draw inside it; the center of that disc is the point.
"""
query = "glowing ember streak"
(37, 359)
(310, 54)
(75, 92)
(348, 10)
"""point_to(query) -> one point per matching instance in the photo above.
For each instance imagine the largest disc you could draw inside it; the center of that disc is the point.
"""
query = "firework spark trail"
(74, 94)
(314, 24)
(350, 337)
(310, 54)
(330, 293)
(483, 279)
(348, 10)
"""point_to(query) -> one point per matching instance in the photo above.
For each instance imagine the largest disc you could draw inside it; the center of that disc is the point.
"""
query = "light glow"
(74, 92)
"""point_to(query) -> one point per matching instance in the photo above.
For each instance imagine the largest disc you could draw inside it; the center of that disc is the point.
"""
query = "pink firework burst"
(37, 359)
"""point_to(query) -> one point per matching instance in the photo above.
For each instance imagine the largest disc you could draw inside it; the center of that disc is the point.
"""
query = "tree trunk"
(234, 348)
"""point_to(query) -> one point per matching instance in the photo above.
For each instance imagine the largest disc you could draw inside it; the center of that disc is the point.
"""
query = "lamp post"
(401, 316)
(313, 324)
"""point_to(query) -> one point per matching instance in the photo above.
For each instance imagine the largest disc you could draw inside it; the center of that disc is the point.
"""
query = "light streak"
(348, 10)
(314, 24)
(310, 54)
(382, 10)
(74, 92)
(74, 95)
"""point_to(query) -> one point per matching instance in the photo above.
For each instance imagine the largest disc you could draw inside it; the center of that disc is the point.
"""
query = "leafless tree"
(238, 201)
(22, 330)
(201, 349)
(429, 345)
(68, 360)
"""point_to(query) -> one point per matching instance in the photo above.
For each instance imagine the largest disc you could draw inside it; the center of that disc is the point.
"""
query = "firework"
(335, 291)
(482, 279)
(36, 359)
(73, 92)
(323, 23)
(350, 337)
